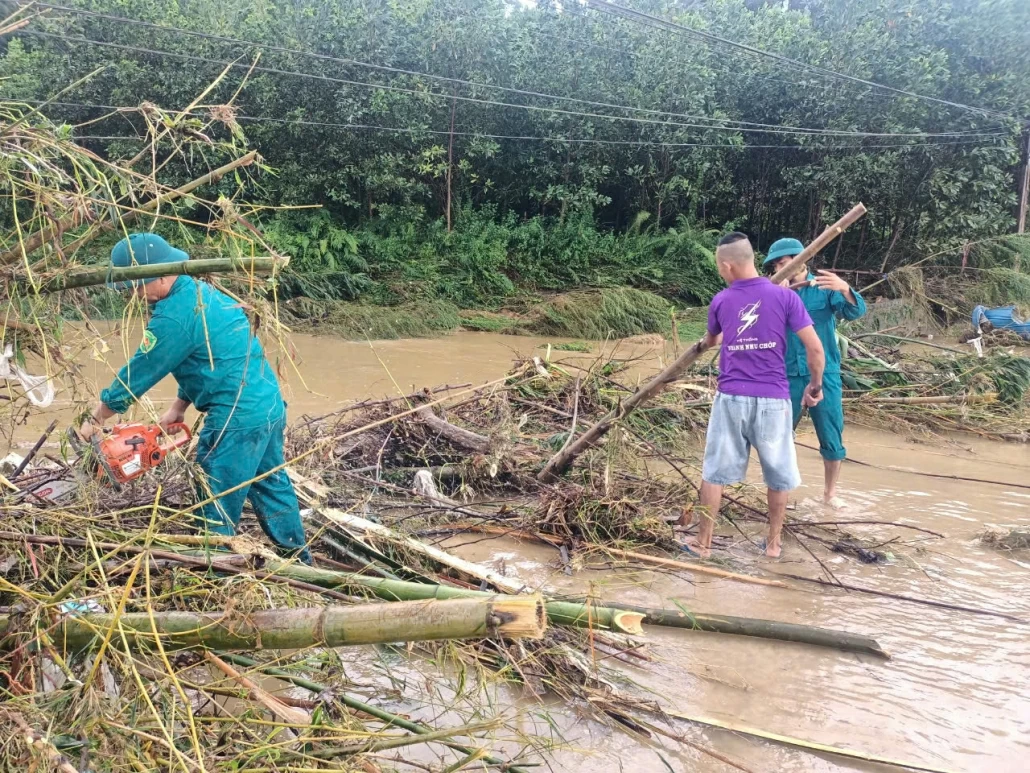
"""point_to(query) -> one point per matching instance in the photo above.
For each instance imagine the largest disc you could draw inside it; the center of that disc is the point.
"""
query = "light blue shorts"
(738, 423)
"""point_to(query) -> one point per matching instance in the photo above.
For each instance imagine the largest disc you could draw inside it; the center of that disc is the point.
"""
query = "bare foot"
(835, 502)
(696, 547)
(773, 551)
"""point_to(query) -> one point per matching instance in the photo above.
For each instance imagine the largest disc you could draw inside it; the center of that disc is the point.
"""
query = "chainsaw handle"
(179, 435)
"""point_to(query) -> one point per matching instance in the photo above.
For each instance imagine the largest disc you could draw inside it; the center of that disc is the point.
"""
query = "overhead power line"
(474, 100)
(742, 126)
(483, 135)
(655, 21)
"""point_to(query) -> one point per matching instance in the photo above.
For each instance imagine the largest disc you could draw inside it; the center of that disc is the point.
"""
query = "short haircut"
(735, 248)
(732, 238)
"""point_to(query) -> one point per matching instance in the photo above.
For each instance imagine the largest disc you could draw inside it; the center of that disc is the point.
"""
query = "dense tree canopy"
(575, 130)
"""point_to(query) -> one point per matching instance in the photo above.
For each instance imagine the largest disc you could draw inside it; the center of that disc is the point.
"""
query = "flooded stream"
(954, 694)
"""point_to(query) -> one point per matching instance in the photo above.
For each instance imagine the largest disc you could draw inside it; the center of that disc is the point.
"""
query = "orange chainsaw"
(123, 453)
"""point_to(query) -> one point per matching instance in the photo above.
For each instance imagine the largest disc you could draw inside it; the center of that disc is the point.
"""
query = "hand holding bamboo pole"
(562, 460)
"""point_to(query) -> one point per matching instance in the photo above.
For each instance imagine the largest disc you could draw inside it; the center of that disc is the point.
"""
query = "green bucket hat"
(782, 248)
(143, 249)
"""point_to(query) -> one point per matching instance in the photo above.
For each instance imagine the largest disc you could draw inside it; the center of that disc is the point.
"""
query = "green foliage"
(547, 213)
(692, 324)
(1011, 252)
(487, 322)
(486, 259)
(614, 313)
(1011, 377)
(573, 346)
(357, 321)
(1001, 287)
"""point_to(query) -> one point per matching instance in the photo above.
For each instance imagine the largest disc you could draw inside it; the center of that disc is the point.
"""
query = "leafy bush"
(487, 258)
(357, 321)
(615, 313)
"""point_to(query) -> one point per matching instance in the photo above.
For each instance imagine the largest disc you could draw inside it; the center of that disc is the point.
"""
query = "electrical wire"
(612, 9)
(481, 135)
(759, 127)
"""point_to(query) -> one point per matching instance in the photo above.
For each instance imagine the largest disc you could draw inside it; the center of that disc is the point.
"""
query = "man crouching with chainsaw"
(203, 338)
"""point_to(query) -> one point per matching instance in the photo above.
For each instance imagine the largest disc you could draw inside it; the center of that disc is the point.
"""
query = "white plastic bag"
(39, 389)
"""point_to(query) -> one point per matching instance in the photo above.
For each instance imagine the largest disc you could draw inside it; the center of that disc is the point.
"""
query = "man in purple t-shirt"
(752, 406)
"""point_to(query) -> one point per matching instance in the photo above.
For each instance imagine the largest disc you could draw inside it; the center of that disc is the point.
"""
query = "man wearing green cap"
(826, 297)
(203, 339)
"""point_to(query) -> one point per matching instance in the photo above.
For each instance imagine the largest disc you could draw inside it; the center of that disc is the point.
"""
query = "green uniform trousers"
(234, 456)
(827, 416)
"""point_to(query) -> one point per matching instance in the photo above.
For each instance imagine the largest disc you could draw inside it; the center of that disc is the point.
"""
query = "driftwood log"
(562, 460)
(459, 436)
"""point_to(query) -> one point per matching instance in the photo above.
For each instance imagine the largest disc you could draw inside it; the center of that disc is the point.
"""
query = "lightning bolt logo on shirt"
(749, 316)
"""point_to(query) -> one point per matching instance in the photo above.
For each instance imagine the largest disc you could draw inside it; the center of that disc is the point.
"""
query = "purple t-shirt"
(753, 316)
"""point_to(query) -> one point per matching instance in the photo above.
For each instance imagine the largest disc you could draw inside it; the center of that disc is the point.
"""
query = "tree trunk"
(898, 228)
(462, 438)
(564, 458)
(332, 626)
(450, 163)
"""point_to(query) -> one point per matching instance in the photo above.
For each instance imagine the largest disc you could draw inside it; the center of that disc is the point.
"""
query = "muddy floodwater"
(954, 694)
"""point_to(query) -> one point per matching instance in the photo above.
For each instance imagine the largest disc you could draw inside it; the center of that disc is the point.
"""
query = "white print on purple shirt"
(749, 316)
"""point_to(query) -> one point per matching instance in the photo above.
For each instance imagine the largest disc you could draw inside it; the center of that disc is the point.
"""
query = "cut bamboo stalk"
(709, 570)
(988, 397)
(802, 744)
(600, 617)
(512, 617)
(562, 460)
(762, 629)
(80, 214)
(610, 617)
(108, 274)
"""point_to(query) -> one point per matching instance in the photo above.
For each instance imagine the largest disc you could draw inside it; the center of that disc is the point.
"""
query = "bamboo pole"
(513, 617)
(606, 616)
(923, 400)
(99, 276)
(802, 744)
(37, 240)
(562, 460)
(762, 629)
(697, 569)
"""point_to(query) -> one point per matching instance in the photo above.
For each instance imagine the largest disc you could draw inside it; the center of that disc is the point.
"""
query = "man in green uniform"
(826, 298)
(203, 339)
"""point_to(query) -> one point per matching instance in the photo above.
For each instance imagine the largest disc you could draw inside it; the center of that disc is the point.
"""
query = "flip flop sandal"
(763, 546)
(689, 550)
